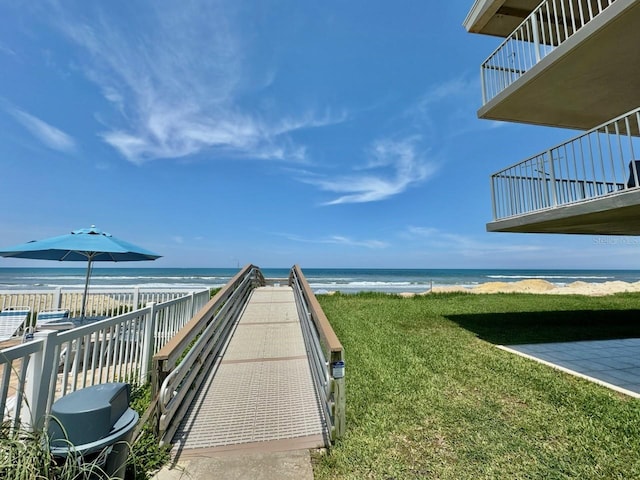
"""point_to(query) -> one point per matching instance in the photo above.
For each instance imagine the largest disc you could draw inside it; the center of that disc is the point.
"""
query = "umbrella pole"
(86, 287)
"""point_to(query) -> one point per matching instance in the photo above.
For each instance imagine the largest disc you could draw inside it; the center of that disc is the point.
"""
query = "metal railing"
(178, 376)
(547, 27)
(601, 162)
(100, 301)
(34, 374)
(325, 352)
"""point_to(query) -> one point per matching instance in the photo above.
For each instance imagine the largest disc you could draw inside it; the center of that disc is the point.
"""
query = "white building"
(572, 64)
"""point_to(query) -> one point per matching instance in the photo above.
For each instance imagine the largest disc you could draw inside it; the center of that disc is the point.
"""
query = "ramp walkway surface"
(260, 396)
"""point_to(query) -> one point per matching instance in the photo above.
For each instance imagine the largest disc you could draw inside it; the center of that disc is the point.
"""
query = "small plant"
(25, 455)
(146, 455)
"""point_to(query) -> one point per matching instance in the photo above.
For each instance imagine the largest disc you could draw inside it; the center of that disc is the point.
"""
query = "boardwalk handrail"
(59, 362)
(326, 355)
(177, 378)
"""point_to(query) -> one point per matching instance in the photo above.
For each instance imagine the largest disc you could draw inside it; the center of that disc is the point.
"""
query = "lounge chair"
(47, 317)
(11, 320)
(53, 320)
(51, 316)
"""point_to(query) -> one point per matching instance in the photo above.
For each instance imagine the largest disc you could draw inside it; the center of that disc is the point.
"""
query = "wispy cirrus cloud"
(448, 109)
(466, 245)
(452, 88)
(47, 134)
(339, 240)
(393, 167)
(179, 89)
(399, 161)
(7, 50)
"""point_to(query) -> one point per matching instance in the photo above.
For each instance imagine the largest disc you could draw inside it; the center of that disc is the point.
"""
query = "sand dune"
(544, 287)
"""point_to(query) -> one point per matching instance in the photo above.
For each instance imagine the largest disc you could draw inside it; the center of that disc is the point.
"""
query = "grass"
(146, 455)
(429, 396)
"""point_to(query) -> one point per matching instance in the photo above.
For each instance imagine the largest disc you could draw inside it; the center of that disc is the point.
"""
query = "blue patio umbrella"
(86, 244)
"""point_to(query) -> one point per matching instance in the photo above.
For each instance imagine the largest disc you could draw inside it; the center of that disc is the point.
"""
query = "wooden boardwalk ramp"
(260, 395)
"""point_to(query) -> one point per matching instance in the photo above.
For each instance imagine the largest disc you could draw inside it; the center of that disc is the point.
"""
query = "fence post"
(339, 395)
(193, 305)
(136, 298)
(147, 343)
(57, 298)
(38, 381)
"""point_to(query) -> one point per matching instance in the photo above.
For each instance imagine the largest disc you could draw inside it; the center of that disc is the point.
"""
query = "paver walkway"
(612, 363)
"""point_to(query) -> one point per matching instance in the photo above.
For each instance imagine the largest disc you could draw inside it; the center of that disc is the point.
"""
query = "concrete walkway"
(612, 363)
(292, 465)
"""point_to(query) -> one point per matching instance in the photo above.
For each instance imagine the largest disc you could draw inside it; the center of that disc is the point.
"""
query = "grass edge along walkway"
(429, 395)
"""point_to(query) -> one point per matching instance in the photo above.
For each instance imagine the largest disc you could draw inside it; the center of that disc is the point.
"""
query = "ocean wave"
(551, 277)
(397, 286)
(352, 280)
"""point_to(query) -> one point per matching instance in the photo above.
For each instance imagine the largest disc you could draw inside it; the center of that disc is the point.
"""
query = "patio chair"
(48, 316)
(52, 319)
(11, 320)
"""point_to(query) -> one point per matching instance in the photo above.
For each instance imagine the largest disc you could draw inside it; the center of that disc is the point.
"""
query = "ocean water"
(321, 279)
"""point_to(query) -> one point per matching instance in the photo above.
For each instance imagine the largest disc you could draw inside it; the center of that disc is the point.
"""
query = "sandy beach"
(547, 288)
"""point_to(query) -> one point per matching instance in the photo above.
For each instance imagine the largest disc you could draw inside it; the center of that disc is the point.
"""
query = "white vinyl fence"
(35, 374)
(107, 302)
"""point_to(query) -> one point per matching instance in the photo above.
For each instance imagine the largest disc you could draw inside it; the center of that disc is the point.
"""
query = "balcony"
(588, 185)
(570, 63)
(498, 17)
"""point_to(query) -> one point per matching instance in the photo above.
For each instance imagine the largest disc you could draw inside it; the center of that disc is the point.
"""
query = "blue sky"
(217, 133)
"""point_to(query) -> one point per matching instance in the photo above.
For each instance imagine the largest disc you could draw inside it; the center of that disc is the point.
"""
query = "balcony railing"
(601, 162)
(548, 26)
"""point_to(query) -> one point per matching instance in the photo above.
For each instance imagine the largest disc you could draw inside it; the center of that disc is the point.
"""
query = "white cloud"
(466, 245)
(339, 240)
(49, 135)
(393, 167)
(174, 97)
(447, 110)
(450, 89)
(7, 50)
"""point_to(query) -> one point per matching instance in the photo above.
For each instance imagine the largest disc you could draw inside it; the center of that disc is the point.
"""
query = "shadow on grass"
(515, 328)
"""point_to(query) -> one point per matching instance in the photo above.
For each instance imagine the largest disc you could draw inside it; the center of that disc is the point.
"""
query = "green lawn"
(429, 396)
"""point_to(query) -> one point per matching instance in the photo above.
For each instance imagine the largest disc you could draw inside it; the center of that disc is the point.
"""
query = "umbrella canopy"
(86, 244)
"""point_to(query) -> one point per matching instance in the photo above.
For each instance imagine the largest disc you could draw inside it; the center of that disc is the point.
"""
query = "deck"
(260, 395)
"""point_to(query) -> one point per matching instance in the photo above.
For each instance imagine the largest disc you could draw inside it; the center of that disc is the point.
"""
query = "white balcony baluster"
(551, 24)
(598, 163)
